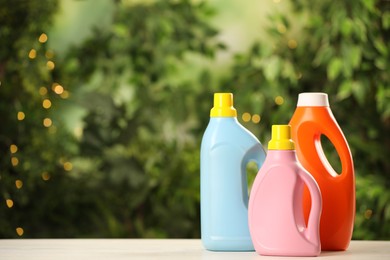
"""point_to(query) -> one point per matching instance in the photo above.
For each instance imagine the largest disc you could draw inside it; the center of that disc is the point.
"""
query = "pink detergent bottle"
(275, 211)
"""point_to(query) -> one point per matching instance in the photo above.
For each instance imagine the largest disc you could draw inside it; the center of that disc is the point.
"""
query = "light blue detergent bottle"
(226, 149)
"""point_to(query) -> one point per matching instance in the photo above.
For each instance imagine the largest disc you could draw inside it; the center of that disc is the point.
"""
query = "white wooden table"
(96, 249)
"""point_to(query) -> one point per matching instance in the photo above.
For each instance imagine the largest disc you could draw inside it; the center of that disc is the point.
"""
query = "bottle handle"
(312, 229)
(257, 155)
(337, 138)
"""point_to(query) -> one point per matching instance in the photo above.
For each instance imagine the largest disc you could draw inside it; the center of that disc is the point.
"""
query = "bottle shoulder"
(314, 115)
(228, 130)
(270, 174)
(272, 165)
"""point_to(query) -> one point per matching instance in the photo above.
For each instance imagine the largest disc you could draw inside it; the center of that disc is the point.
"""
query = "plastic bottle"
(313, 118)
(276, 221)
(226, 149)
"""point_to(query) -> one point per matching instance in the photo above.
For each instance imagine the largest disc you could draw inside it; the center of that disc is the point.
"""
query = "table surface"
(96, 249)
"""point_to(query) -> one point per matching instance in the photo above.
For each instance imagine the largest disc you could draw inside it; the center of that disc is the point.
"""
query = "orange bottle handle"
(333, 132)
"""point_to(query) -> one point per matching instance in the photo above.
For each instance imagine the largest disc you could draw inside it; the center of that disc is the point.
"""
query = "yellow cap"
(281, 138)
(223, 106)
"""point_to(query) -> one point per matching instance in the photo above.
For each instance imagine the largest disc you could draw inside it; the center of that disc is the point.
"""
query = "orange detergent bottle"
(311, 119)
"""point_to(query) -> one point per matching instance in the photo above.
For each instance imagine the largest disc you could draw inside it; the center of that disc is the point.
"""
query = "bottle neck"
(314, 109)
(276, 155)
(223, 118)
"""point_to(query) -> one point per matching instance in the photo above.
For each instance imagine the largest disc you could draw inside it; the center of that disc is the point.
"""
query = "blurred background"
(104, 103)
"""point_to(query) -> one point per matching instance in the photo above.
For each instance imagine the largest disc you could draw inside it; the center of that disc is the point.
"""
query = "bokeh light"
(32, 54)
(21, 115)
(68, 166)
(19, 231)
(45, 176)
(18, 184)
(10, 203)
(292, 44)
(47, 122)
(279, 100)
(58, 89)
(46, 103)
(14, 161)
(13, 148)
(256, 118)
(246, 117)
(50, 65)
(42, 91)
(43, 38)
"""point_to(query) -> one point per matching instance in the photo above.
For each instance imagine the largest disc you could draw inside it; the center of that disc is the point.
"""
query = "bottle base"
(334, 244)
(289, 253)
(294, 248)
(332, 248)
(227, 244)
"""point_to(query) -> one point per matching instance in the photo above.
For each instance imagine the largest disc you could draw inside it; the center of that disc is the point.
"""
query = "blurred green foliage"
(135, 167)
(128, 164)
(138, 130)
(29, 150)
(341, 48)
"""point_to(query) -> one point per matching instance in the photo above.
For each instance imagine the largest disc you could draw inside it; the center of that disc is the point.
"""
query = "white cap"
(313, 99)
